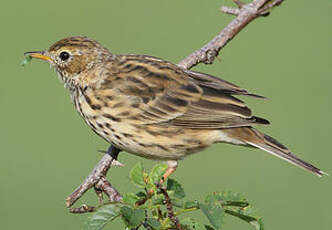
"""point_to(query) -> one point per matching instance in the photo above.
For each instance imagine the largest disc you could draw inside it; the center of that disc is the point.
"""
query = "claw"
(117, 163)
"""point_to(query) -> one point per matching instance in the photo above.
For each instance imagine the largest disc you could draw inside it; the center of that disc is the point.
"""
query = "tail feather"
(285, 154)
(262, 141)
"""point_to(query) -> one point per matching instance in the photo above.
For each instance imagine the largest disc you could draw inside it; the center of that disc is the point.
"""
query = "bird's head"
(73, 56)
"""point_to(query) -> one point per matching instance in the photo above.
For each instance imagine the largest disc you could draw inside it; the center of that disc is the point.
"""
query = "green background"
(47, 150)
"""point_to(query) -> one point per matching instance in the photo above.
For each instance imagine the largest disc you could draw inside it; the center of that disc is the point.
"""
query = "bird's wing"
(217, 108)
(215, 83)
(164, 94)
(155, 90)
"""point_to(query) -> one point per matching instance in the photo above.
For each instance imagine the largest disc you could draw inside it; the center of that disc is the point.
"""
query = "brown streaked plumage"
(153, 108)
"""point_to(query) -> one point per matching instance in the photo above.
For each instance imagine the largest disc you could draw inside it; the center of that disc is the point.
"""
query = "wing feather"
(168, 95)
(212, 82)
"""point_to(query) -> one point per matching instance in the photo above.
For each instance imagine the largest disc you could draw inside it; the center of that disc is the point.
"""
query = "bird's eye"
(64, 55)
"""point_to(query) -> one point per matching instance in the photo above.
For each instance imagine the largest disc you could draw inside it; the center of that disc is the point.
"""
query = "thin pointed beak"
(39, 55)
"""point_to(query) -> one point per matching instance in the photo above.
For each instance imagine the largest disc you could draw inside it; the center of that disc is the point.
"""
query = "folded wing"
(168, 95)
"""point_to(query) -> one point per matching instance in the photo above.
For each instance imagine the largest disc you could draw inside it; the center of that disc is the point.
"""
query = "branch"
(245, 13)
(169, 207)
(97, 179)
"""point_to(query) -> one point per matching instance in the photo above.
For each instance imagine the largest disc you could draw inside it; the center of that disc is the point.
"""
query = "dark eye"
(64, 56)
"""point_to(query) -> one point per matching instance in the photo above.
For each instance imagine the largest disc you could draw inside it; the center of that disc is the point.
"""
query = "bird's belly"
(149, 141)
(141, 142)
(164, 144)
(161, 143)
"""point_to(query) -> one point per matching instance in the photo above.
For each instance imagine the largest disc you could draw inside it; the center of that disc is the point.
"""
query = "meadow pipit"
(153, 108)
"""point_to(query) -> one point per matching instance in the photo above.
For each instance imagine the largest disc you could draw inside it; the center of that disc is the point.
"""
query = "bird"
(154, 109)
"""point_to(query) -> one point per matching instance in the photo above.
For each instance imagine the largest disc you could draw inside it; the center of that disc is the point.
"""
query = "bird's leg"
(172, 165)
(97, 179)
(113, 152)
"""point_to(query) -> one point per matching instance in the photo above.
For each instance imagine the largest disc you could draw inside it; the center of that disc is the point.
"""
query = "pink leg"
(172, 165)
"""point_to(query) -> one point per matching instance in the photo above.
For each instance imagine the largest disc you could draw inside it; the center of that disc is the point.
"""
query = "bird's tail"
(254, 138)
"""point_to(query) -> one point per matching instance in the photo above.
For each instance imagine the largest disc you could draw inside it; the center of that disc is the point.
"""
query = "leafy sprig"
(148, 208)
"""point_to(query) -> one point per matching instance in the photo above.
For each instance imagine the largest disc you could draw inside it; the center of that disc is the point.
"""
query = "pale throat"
(71, 82)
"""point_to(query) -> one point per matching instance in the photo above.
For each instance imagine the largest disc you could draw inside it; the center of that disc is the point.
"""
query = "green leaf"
(240, 204)
(136, 175)
(154, 223)
(176, 202)
(256, 222)
(27, 59)
(213, 211)
(130, 198)
(158, 199)
(173, 185)
(229, 196)
(102, 216)
(132, 217)
(141, 195)
(157, 172)
(248, 211)
(191, 204)
(191, 224)
(261, 224)
(239, 207)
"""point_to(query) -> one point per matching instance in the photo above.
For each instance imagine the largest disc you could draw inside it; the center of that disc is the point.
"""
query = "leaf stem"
(185, 211)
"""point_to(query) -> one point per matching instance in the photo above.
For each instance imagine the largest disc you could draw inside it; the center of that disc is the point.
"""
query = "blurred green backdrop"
(47, 150)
